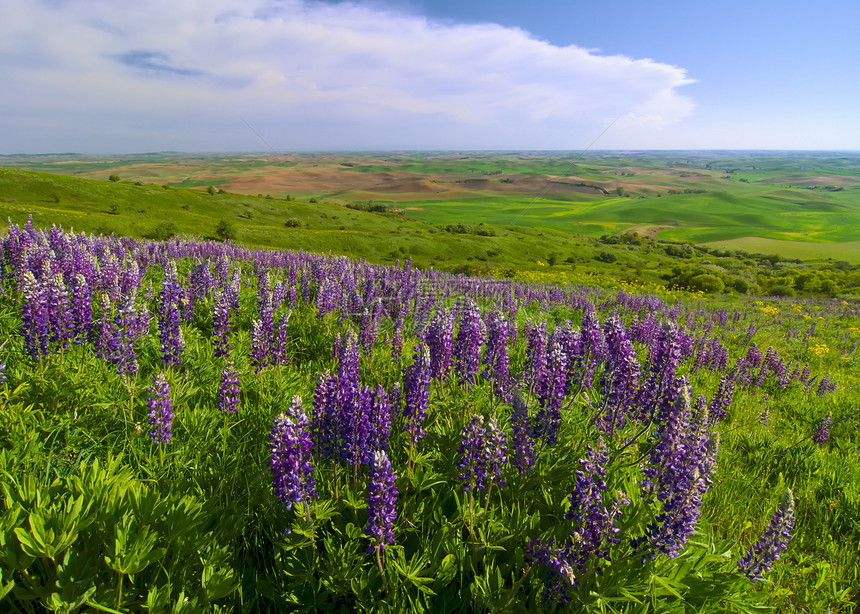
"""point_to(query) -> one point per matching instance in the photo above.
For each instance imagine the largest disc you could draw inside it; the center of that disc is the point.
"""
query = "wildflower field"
(198, 427)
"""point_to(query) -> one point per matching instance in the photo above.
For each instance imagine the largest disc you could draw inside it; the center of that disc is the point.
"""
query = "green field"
(493, 212)
(807, 201)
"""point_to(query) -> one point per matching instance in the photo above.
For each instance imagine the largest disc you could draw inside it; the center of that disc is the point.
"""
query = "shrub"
(707, 283)
(781, 290)
(225, 231)
(162, 232)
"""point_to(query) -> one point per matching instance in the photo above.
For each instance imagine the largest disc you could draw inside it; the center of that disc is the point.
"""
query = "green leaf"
(447, 569)
(220, 583)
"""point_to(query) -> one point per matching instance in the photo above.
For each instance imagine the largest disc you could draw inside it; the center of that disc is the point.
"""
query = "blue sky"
(97, 76)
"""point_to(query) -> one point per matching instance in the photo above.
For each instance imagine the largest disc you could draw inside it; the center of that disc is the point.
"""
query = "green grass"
(848, 251)
(205, 504)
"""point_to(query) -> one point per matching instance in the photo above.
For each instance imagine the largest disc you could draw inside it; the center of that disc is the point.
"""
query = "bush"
(162, 232)
(707, 283)
(225, 231)
(292, 223)
(113, 178)
(781, 290)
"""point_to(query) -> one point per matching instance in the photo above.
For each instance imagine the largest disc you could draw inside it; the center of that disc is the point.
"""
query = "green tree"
(113, 178)
(211, 190)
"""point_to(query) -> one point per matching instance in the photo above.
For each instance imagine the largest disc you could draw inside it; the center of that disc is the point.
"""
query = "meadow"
(193, 425)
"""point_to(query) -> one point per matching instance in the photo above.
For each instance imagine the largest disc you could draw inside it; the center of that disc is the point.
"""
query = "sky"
(108, 77)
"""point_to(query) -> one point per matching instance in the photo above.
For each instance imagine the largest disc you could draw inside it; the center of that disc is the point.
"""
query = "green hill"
(537, 239)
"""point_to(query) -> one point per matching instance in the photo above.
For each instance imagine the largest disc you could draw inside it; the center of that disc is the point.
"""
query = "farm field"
(808, 201)
(201, 426)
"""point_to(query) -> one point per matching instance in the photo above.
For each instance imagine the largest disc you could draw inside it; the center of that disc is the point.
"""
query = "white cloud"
(309, 74)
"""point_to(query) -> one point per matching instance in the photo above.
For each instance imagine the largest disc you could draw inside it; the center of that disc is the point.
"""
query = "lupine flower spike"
(822, 431)
(760, 558)
(160, 410)
(291, 447)
(381, 507)
(228, 391)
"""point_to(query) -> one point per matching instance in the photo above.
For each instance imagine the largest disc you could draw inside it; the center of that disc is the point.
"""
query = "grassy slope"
(85, 204)
(530, 230)
(743, 197)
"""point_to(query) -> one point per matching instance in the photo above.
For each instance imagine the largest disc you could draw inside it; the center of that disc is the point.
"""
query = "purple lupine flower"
(483, 452)
(358, 427)
(657, 395)
(81, 308)
(522, 450)
(369, 328)
(381, 502)
(279, 293)
(496, 357)
(2, 372)
(468, 344)
(825, 384)
(105, 333)
(199, 282)
(560, 575)
(679, 473)
(471, 453)
(348, 399)
(822, 431)
(550, 393)
(125, 324)
(169, 331)
(397, 339)
(228, 390)
(34, 313)
(620, 377)
(221, 324)
(592, 337)
(160, 410)
(266, 333)
(440, 339)
(325, 426)
(379, 412)
(259, 353)
(719, 405)
(594, 528)
(416, 392)
(59, 309)
(754, 356)
(759, 559)
(291, 450)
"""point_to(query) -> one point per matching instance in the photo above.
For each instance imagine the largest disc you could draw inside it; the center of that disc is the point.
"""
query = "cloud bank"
(103, 76)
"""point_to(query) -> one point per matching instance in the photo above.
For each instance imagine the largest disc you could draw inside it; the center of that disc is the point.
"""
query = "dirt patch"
(647, 230)
(800, 181)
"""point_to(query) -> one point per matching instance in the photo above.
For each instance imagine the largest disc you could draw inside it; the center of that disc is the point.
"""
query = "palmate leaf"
(218, 582)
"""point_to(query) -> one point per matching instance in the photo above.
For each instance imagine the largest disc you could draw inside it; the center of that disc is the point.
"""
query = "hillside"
(522, 237)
